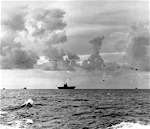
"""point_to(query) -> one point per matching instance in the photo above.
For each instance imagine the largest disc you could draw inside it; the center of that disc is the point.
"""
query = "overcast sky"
(29, 29)
(88, 19)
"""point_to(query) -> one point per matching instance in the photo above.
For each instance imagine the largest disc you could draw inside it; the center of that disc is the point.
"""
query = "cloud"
(111, 13)
(116, 41)
(109, 17)
(42, 60)
(47, 26)
(138, 50)
(96, 43)
(13, 53)
(15, 20)
(13, 56)
(57, 38)
(41, 22)
(45, 30)
(16, 23)
(30, 30)
(71, 59)
(53, 53)
(95, 61)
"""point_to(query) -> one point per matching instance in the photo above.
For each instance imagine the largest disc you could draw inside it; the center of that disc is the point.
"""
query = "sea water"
(75, 109)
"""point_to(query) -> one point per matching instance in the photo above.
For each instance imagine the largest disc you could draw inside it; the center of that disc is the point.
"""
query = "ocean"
(75, 109)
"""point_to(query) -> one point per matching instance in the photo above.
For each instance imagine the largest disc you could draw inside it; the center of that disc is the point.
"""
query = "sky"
(34, 31)
(88, 19)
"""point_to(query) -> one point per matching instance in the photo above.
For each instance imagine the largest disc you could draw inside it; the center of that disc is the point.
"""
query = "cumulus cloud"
(47, 26)
(15, 23)
(50, 29)
(62, 60)
(13, 56)
(42, 30)
(54, 54)
(71, 59)
(38, 27)
(15, 20)
(42, 22)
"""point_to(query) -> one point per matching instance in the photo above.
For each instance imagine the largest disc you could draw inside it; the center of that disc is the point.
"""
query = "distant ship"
(25, 88)
(66, 87)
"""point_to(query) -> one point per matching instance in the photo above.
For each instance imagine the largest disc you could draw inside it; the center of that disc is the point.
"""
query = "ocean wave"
(122, 125)
(130, 125)
(69, 109)
(18, 124)
(2, 112)
(8, 127)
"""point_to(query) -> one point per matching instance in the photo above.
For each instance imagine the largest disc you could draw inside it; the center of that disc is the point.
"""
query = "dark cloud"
(60, 59)
(53, 53)
(95, 61)
(38, 26)
(138, 50)
(45, 29)
(96, 44)
(46, 21)
(15, 21)
(13, 56)
(52, 27)
(48, 26)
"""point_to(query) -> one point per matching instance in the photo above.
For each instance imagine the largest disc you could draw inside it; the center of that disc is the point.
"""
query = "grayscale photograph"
(75, 64)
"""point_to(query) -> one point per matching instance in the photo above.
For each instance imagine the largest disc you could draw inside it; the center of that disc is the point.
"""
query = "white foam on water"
(7, 127)
(18, 124)
(29, 101)
(29, 121)
(129, 125)
(2, 112)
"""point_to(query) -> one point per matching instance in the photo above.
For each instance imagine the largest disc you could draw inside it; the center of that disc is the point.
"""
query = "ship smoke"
(95, 61)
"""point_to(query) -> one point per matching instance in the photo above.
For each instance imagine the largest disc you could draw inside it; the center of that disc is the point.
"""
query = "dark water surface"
(74, 109)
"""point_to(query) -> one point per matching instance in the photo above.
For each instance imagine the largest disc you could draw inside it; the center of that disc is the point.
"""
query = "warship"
(65, 86)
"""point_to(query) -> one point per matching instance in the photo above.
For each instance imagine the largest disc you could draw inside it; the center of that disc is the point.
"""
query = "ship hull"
(70, 87)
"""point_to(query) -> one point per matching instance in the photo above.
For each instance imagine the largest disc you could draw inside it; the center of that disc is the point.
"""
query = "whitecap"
(29, 121)
(29, 101)
(2, 112)
(18, 124)
(8, 127)
(129, 125)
